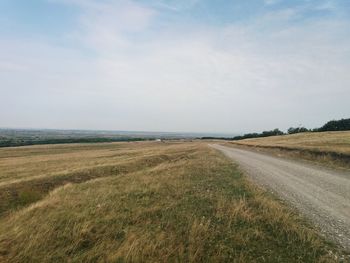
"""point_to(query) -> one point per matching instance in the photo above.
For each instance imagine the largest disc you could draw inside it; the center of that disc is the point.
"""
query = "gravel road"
(320, 194)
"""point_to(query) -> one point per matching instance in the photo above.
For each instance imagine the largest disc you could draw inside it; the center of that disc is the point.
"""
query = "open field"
(143, 202)
(21, 137)
(330, 148)
(28, 173)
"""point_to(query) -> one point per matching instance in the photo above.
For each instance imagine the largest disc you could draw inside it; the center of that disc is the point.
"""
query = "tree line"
(23, 142)
(333, 125)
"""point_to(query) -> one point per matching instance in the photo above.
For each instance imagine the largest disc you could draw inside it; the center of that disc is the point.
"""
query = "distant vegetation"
(293, 130)
(334, 125)
(24, 142)
(340, 125)
(22, 137)
(257, 135)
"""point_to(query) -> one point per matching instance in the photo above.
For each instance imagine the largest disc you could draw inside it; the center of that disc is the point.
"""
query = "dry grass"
(319, 141)
(181, 203)
(29, 173)
(24, 163)
(329, 148)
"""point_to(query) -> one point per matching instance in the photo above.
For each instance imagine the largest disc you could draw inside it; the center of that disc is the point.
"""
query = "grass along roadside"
(330, 149)
(196, 207)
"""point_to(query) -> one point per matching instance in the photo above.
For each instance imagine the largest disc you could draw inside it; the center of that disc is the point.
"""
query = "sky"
(187, 65)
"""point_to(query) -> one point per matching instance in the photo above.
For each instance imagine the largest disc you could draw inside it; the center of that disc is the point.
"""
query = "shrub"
(293, 130)
(336, 125)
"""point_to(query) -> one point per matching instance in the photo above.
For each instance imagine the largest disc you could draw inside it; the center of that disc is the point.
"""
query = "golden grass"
(329, 148)
(171, 203)
(319, 141)
(24, 182)
(22, 163)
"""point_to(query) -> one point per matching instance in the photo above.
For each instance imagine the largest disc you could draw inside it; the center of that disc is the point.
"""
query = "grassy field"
(142, 202)
(330, 148)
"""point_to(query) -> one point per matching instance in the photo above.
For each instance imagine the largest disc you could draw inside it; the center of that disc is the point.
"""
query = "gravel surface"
(320, 194)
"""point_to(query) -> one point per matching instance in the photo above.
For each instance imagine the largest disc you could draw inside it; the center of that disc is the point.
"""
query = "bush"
(292, 130)
(336, 125)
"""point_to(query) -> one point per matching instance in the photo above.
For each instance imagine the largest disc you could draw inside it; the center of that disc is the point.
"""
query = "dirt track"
(320, 194)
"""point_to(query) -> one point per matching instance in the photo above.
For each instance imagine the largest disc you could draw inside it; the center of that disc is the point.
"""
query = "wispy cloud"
(271, 2)
(327, 5)
(177, 5)
(139, 75)
(11, 66)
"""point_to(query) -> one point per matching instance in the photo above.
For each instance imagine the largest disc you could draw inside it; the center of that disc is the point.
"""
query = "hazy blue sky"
(187, 65)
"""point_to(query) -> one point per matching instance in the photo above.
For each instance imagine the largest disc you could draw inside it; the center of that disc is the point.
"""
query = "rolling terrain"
(327, 148)
(143, 202)
(337, 141)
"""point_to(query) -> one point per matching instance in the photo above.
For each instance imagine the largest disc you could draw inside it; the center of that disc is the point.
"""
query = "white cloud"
(103, 26)
(229, 78)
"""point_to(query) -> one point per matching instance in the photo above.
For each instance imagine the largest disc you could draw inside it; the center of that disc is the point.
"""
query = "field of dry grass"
(318, 141)
(330, 148)
(142, 202)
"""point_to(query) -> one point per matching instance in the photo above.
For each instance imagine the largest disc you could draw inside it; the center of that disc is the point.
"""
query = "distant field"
(331, 148)
(31, 171)
(21, 137)
(338, 142)
(142, 202)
